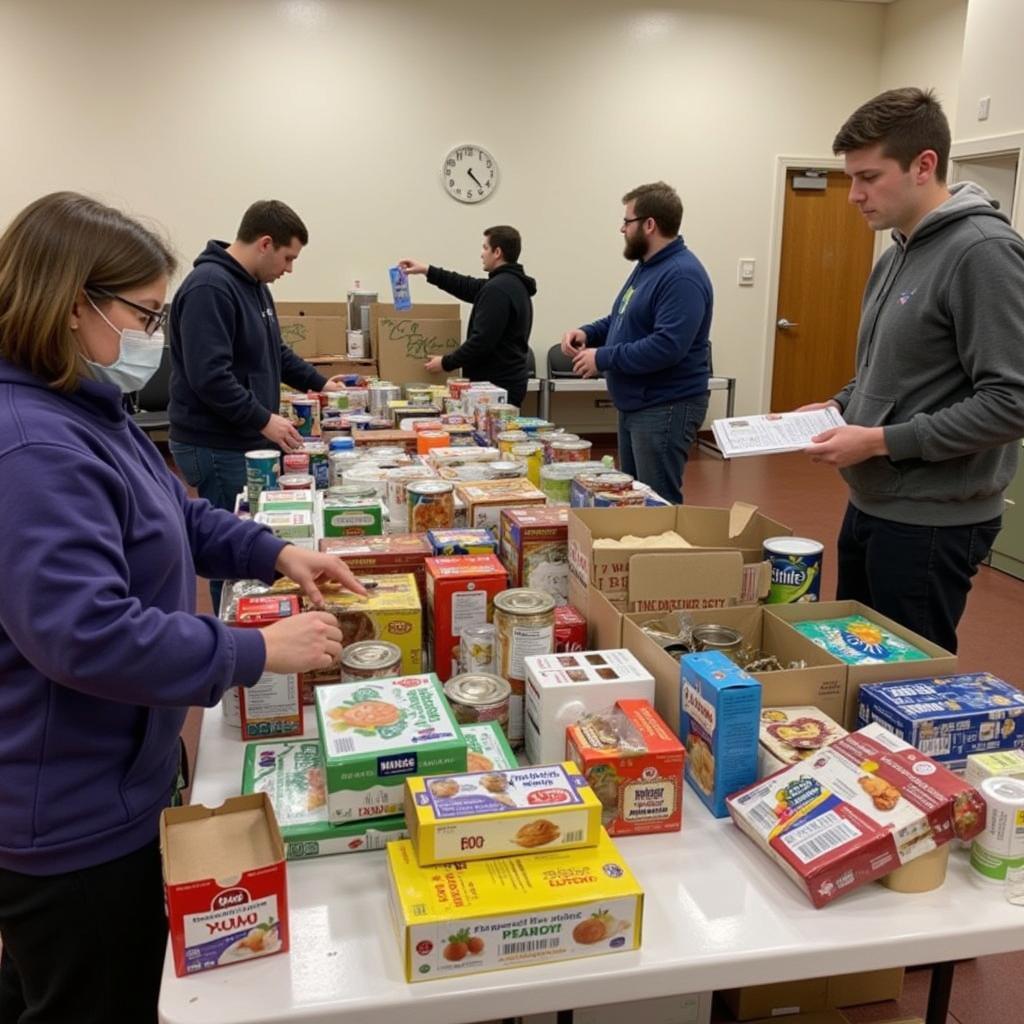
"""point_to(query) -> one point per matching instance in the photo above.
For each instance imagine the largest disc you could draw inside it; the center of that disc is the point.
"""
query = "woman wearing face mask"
(101, 650)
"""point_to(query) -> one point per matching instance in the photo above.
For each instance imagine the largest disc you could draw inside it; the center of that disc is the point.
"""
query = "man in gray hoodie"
(936, 409)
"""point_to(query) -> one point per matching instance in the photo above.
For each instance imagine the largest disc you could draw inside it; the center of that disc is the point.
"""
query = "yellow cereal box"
(477, 815)
(468, 917)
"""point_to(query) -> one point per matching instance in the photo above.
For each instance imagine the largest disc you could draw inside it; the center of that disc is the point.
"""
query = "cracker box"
(291, 773)
(462, 542)
(561, 688)
(718, 722)
(391, 611)
(213, 924)
(948, 717)
(352, 517)
(856, 640)
(487, 747)
(570, 630)
(377, 732)
(634, 764)
(460, 593)
(273, 706)
(858, 810)
(486, 499)
(286, 501)
(474, 916)
(790, 735)
(479, 815)
(288, 525)
(535, 549)
(1006, 763)
(384, 556)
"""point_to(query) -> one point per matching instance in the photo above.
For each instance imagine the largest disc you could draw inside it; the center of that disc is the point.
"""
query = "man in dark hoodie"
(936, 409)
(498, 333)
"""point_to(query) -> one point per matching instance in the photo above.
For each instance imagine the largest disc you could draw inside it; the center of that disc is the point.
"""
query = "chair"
(559, 365)
(149, 405)
(531, 363)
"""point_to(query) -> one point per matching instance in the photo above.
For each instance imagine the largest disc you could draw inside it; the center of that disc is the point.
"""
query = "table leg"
(564, 1017)
(544, 399)
(939, 991)
(730, 399)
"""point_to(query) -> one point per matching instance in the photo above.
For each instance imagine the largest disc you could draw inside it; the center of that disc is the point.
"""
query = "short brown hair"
(661, 202)
(905, 122)
(274, 218)
(507, 239)
(55, 249)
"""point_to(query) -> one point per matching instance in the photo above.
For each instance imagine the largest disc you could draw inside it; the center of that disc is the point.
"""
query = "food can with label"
(262, 468)
(796, 569)
(381, 394)
(306, 414)
(570, 451)
(431, 505)
(710, 636)
(531, 455)
(507, 438)
(338, 463)
(427, 439)
(619, 499)
(458, 386)
(556, 482)
(525, 621)
(399, 479)
(506, 469)
(319, 467)
(295, 482)
(478, 648)
(549, 438)
(370, 659)
(418, 394)
(295, 462)
(479, 697)
(499, 418)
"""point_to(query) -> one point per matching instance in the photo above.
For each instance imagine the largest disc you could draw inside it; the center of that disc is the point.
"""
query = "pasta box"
(472, 916)
(858, 810)
(719, 719)
(225, 883)
(377, 732)
(535, 549)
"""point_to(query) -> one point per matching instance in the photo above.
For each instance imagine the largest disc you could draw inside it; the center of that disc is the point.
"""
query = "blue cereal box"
(948, 717)
(720, 718)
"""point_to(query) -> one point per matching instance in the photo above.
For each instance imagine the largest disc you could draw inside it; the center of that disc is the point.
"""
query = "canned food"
(570, 451)
(431, 505)
(478, 648)
(479, 697)
(352, 492)
(556, 482)
(370, 659)
(341, 444)
(427, 439)
(458, 386)
(525, 621)
(399, 479)
(358, 400)
(507, 438)
(334, 400)
(338, 463)
(796, 569)
(295, 482)
(295, 462)
(319, 467)
(499, 416)
(381, 394)
(548, 438)
(619, 499)
(262, 468)
(306, 416)
(505, 470)
(418, 394)
(712, 637)
(529, 453)
(356, 421)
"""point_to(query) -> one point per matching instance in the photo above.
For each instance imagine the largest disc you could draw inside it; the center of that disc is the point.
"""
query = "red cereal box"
(273, 707)
(460, 593)
(213, 925)
(570, 630)
(634, 764)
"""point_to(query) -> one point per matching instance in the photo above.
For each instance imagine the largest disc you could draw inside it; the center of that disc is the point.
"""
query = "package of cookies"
(486, 747)
(376, 733)
(480, 815)
(790, 735)
(858, 810)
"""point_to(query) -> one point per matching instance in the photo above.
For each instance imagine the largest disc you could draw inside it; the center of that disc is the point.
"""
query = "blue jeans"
(218, 475)
(654, 443)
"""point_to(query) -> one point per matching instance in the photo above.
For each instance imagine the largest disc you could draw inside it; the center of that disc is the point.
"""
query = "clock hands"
(473, 176)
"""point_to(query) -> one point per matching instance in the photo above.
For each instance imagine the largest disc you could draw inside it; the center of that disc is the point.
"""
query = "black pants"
(918, 575)
(86, 947)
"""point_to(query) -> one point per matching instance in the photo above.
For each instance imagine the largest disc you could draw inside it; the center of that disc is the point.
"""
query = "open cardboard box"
(939, 663)
(816, 1000)
(404, 341)
(740, 528)
(313, 328)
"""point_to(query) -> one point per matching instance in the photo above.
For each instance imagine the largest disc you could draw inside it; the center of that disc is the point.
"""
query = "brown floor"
(811, 500)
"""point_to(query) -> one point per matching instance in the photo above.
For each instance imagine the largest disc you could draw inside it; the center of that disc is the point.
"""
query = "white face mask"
(138, 359)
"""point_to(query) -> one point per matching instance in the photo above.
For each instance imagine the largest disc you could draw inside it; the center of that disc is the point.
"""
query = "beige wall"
(186, 111)
(991, 67)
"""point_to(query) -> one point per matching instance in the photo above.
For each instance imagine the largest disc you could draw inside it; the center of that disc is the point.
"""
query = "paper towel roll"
(1001, 845)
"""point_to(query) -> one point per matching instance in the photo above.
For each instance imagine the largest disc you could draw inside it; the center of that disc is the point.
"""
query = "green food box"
(486, 742)
(288, 525)
(353, 517)
(374, 733)
(291, 773)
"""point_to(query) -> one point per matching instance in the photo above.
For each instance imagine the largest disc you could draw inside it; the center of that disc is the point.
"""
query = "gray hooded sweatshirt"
(940, 365)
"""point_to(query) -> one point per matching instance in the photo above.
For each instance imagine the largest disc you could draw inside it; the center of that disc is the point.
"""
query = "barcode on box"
(574, 837)
(936, 746)
(342, 745)
(821, 836)
(763, 818)
(531, 946)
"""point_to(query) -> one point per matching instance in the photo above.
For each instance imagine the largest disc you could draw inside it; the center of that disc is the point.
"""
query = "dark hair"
(659, 201)
(905, 122)
(274, 218)
(507, 239)
(58, 247)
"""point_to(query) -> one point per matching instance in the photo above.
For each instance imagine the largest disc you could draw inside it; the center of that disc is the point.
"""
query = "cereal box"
(858, 810)
(291, 773)
(376, 733)
(473, 916)
(634, 764)
(1007, 763)
(857, 641)
(570, 630)
(460, 593)
(561, 688)
(462, 542)
(478, 815)
(719, 720)
(948, 717)
(213, 924)
(790, 735)
(535, 549)
(384, 556)
(485, 500)
(486, 747)
(391, 611)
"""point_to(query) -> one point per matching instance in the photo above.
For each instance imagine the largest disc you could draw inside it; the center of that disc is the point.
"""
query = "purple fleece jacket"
(101, 651)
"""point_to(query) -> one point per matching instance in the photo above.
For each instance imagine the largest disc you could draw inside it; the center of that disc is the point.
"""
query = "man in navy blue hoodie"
(653, 346)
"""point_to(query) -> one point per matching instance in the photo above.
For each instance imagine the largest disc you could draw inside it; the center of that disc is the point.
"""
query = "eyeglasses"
(155, 319)
(631, 220)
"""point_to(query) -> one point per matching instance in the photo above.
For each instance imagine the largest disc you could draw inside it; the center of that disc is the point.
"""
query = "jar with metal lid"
(710, 636)
(478, 648)
(370, 659)
(479, 697)
(351, 492)
(505, 470)
(431, 505)
(296, 482)
(338, 463)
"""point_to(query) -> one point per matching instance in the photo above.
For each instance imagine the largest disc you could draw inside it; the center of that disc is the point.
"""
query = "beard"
(635, 248)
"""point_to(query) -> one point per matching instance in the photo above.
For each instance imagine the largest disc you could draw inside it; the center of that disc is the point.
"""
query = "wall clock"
(469, 174)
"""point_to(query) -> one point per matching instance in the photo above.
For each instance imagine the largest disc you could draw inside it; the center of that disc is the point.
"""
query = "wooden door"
(827, 252)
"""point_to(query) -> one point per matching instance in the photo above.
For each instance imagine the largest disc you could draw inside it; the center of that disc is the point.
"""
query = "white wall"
(187, 111)
(991, 67)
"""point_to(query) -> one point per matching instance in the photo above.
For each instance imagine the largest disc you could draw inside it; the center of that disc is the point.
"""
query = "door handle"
(784, 324)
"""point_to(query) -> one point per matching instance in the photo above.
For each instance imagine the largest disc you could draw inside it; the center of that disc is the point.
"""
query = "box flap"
(672, 580)
(740, 516)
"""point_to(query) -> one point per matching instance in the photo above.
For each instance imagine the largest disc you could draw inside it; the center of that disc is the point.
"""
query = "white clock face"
(470, 174)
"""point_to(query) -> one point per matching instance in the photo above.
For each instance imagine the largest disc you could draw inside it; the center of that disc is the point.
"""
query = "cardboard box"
(865, 987)
(291, 773)
(863, 807)
(404, 341)
(377, 732)
(462, 542)
(740, 528)
(486, 499)
(351, 517)
(313, 328)
(487, 747)
(1008, 763)
(477, 916)
(571, 630)
(940, 662)
(390, 438)
(782, 999)
(337, 366)
(395, 553)
(694, 1008)
(814, 1017)
(273, 706)
(482, 815)
(211, 924)
(535, 549)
